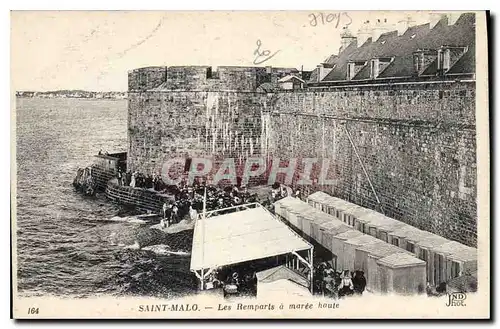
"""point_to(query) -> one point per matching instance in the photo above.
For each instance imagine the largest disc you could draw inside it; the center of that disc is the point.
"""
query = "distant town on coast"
(73, 94)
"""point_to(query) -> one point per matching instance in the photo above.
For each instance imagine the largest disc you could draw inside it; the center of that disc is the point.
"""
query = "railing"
(245, 206)
(142, 199)
(102, 177)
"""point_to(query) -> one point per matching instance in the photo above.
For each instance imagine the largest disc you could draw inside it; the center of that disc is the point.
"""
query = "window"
(410, 247)
(446, 60)
(362, 227)
(354, 67)
(443, 59)
(440, 59)
(415, 62)
(373, 231)
(350, 71)
(455, 269)
(395, 241)
(383, 236)
(423, 255)
(374, 68)
(438, 268)
(350, 221)
(378, 65)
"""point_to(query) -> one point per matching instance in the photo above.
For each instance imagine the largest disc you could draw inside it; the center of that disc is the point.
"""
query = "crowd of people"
(233, 282)
(188, 201)
(139, 180)
(436, 291)
(329, 282)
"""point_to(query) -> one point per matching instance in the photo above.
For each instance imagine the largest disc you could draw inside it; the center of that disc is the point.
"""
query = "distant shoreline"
(80, 94)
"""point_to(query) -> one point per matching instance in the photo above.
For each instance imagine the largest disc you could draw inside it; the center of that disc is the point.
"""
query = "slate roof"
(464, 283)
(314, 75)
(290, 77)
(402, 47)
(267, 87)
(401, 259)
(279, 273)
(306, 75)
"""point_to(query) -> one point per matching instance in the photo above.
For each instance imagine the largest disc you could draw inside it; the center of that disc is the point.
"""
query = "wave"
(163, 249)
(128, 219)
(135, 246)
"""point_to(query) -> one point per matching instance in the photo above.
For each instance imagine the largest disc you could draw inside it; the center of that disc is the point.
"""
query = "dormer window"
(350, 71)
(323, 70)
(443, 59)
(353, 68)
(374, 68)
(377, 65)
(212, 74)
(422, 58)
(448, 56)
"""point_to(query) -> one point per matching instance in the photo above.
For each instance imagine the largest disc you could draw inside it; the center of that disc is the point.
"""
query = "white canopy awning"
(242, 236)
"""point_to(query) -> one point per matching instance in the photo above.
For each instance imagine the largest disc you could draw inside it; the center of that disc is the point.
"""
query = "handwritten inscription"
(332, 18)
(262, 56)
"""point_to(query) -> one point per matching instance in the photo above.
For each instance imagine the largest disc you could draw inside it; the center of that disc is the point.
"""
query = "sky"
(94, 50)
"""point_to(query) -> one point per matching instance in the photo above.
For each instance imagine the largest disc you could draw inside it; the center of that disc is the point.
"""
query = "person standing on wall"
(175, 213)
(193, 214)
(119, 176)
(165, 208)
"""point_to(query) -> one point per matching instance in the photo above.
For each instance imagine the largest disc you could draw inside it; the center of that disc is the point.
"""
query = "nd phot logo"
(456, 299)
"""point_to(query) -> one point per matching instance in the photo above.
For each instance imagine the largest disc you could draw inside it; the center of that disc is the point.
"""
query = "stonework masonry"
(187, 124)
(407, 150)
(416, 142)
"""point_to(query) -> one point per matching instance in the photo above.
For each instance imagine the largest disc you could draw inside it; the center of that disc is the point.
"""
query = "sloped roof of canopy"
(242, 236)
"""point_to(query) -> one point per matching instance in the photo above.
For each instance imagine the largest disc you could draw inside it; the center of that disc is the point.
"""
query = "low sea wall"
(102, 176)
(142, 199)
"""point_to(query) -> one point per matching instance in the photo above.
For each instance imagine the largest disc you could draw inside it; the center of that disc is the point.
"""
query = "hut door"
(438, 268)
(383, 281)
(187, 165)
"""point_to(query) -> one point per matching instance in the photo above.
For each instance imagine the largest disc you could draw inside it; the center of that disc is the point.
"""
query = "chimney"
(346, 38)
(364, 33)
(403, 25)
(453, 17)
(380, 28)
(434, 19)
